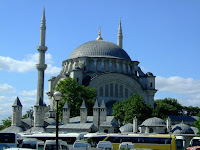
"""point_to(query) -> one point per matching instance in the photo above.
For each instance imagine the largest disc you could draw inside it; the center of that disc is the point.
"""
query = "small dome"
(99, 48)
(182, 129)
(126, 128)
(153, 122)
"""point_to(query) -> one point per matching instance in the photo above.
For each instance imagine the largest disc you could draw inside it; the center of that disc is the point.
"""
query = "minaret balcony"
(42, 48)
(41, 66)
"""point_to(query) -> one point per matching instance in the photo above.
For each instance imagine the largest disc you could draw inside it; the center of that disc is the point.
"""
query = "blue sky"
(164, 36)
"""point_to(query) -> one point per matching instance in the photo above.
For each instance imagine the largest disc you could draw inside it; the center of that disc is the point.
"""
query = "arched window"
(121, 91)
(106, 90)
(151, 84)
(111, 90)
(126, 93)
(150, 130)
(116, 90)
(101, 91)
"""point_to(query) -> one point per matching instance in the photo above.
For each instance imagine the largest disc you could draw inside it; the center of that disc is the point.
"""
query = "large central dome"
(99, 48)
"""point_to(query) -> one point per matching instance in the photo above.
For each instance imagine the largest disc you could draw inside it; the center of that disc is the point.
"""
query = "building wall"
(113, 79)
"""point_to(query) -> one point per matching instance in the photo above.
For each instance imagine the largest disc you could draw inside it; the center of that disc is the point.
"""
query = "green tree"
(166, 107)
(197, 123)
(191, 111)
(6, 123)
(75, 94)
(129, 108)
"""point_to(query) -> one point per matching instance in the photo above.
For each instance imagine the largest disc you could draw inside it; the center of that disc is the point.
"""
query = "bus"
(151, 141)
(9, 139)
(70, 138)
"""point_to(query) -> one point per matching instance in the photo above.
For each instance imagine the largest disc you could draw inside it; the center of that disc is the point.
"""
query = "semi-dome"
(153, 122)
(99, 48)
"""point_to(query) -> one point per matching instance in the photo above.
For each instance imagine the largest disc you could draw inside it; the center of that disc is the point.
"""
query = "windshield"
(50, 147)
(195, 142)
(33, 146)
(179, 144)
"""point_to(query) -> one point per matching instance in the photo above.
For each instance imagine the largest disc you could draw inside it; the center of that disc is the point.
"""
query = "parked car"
(126, 146)
(51, 145)
(107, 145)
(195, 141)
(193, 148)
(79, 143)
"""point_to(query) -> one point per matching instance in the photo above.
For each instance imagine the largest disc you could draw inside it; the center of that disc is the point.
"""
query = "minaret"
(103, 112)
(66, 113)
(96, 115)
(17, 113)
(41, 66)
(83, 113)
(120, 36)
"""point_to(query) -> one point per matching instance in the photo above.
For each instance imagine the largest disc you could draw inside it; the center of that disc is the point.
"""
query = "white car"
(107, 145)
(127, 146)
(83, 144)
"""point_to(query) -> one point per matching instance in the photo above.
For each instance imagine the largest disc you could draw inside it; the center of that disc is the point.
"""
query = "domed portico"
(106, 67)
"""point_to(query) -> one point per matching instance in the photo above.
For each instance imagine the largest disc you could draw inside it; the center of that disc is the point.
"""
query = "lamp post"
(170, 132)
(57, 96)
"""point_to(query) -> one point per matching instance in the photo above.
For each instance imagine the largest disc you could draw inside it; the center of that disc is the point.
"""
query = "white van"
(106, 145)
(81, 144)
(195, 141)
(126, 146)
(51, 145)
(40, 145)
(29, 143)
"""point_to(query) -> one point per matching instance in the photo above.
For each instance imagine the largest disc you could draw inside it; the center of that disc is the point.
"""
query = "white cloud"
(27, 101)
(28, 93)
(178, 85)
(52, 70)
(6, 89)
(187, 90)
(27, 64)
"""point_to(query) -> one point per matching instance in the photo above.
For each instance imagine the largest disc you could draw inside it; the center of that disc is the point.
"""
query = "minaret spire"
(41, 66)
(120, 36)
(43, 29)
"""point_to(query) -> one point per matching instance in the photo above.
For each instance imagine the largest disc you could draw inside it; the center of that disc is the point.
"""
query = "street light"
(57, 96)
(170, 132)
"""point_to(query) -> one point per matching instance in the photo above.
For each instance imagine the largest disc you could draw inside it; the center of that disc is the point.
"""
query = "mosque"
(98, 64)
(106, 67)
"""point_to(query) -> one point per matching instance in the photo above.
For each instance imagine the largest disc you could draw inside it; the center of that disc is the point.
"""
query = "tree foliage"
(129, 108)
(191, 111)
(166, 107)
(197, 123)
(75, 94)
(6, 123)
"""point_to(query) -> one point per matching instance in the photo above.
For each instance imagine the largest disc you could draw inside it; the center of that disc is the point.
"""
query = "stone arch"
(117, 80)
